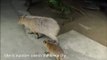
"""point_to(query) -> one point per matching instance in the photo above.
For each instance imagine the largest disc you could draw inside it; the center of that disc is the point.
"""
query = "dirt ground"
(93, 24)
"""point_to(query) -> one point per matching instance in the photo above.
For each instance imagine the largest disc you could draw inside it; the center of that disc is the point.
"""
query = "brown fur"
(44, 25)
(54, 49)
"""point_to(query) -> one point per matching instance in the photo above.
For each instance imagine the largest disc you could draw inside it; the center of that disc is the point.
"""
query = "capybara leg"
(39, 35)
(46, 52)
(30, 32)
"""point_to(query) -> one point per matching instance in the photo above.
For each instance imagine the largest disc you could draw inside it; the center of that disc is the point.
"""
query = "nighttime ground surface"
(15, 39)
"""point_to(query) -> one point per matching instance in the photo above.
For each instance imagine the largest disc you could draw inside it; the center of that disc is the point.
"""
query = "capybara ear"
(23, 16)
(54, 41)
(49, 40)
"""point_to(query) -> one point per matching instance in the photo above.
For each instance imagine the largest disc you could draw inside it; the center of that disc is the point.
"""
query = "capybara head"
(21, 19)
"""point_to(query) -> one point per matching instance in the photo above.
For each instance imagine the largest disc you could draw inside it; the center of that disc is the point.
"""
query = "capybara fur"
(43, 25)
(54, 49)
